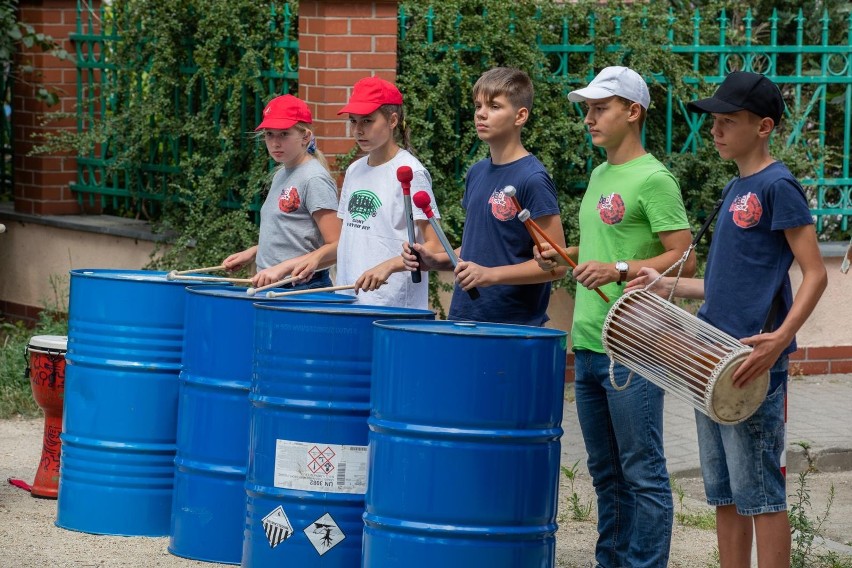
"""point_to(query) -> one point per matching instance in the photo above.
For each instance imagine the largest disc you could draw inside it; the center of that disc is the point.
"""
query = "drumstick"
(423, 201)
(213, 279)
(524, 216)
(405, 175)
(253, 291)
(174, 273)
(310, 291)
(510, 192)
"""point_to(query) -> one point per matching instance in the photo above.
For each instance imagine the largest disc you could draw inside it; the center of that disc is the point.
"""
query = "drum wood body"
(683, 355)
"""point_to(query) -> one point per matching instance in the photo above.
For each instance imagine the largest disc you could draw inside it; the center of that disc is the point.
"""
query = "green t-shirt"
(622, 210)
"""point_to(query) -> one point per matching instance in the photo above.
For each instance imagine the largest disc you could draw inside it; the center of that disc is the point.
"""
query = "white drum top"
(53, 342)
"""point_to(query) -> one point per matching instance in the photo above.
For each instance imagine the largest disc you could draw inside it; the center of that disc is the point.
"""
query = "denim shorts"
(741, 463)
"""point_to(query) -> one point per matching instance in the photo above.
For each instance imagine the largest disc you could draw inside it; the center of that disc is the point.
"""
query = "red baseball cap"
(283, 112)
(370, 93)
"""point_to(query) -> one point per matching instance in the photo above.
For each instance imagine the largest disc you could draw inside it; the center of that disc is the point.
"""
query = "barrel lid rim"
(336, 308)
(453, 327)
(59, 342)
(214, 289)
(122, 275)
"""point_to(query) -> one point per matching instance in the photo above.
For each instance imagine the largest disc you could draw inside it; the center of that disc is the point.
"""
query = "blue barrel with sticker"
(310, 400)
(464, 445)
(208, 507)
(125, 343)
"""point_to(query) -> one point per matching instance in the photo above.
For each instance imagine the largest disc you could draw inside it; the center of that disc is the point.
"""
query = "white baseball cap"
(615, 81)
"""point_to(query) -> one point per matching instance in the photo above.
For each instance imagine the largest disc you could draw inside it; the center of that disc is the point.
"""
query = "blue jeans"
(623, 433)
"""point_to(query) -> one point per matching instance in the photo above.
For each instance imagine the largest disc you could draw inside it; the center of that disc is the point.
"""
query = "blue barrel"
(464, 445)
(310, 400)
(125, 342)
(208, 508)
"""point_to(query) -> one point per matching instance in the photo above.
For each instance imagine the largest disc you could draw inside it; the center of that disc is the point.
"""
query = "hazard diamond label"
(277, 527)
(324, 534)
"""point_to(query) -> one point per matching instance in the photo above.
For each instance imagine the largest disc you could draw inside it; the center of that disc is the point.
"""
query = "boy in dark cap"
(764, 224)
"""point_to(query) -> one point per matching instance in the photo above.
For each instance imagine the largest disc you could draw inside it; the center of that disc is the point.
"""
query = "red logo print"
(747, 210)
(611, 208)
(501, 206)
(289, 200)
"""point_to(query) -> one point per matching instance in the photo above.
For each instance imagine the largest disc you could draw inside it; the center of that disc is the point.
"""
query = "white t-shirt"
(373, 214)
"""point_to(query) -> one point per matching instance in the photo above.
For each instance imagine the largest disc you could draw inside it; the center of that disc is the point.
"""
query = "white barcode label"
(331, 468)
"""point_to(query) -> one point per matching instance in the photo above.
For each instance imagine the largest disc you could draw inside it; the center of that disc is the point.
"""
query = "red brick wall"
(41, 181)
(341, 42)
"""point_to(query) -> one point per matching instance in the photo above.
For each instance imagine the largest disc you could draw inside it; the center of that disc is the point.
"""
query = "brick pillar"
(41, 181)
(339, 43)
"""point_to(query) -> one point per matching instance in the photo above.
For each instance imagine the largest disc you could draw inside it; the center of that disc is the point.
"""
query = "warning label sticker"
(277, 527)
(324, 534)
(332, 468)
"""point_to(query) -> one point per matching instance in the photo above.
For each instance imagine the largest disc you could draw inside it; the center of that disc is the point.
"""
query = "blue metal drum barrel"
(310, 400)
(464, 445)
(208, 508)
(125, 341)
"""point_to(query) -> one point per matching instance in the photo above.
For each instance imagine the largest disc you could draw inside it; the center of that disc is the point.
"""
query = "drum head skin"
(729, 405)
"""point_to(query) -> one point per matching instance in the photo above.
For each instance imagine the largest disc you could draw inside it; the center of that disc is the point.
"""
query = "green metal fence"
(102, 89)
(812, 76)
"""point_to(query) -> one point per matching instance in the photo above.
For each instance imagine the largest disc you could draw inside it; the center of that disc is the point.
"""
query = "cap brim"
(359, 108)
(276, 123)
(711, 105)
(589, 93)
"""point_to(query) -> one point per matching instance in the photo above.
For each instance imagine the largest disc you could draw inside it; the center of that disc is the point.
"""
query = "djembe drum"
(683, 355)
(46, 370)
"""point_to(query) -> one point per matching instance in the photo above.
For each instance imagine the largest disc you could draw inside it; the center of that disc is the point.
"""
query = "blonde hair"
(311, 148)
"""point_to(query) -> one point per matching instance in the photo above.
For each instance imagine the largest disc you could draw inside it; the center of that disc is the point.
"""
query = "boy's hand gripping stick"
(405, 175)
(524, 217)
(510, 192)
(423, 201)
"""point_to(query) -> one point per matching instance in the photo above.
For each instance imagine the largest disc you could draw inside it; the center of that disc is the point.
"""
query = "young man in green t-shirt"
(632, 215)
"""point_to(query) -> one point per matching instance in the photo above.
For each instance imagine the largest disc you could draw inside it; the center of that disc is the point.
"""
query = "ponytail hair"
(312, 145)
(401, 132)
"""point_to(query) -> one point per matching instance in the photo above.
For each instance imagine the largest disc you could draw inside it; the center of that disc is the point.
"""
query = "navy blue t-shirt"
(749, 257)
(494, 236)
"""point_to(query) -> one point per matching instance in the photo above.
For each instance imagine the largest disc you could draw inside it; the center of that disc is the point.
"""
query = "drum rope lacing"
(679, 265)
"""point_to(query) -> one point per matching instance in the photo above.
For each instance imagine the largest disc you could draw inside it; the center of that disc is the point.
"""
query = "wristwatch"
(622, 267)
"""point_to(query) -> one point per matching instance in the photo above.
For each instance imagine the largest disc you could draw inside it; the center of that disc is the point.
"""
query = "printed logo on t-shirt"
(289, 200)
(363, 204)
(611, 208)
(501, 206)
(746, 210)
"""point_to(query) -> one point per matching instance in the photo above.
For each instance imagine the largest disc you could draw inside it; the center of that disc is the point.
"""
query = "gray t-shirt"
(287, 227)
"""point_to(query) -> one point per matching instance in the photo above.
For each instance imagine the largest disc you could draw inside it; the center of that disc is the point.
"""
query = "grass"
(579, 510)
(16, 397)
(704, 519)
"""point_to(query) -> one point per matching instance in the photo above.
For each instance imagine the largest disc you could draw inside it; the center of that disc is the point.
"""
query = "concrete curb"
(800, 459)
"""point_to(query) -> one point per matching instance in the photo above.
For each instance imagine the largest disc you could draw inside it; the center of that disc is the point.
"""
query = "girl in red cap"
(371, 201)
(299, 229)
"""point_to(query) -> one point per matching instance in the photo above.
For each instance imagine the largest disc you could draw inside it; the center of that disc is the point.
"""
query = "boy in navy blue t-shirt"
(764, 224)
(496, 255)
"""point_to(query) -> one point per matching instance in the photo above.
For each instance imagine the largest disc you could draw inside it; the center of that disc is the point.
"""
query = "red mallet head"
(422, 200)
(405, 175)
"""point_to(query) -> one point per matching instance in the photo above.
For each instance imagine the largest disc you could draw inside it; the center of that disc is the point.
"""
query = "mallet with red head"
(405, 175)
(424, 202)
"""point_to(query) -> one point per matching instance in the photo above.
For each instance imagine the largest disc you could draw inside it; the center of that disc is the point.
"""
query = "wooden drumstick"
(510, 192)
(174, 273)
(310, 291)
(524, 216)
(253, 291)
(213, 279)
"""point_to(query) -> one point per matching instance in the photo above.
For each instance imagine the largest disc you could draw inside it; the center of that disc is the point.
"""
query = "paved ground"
(819, 434)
